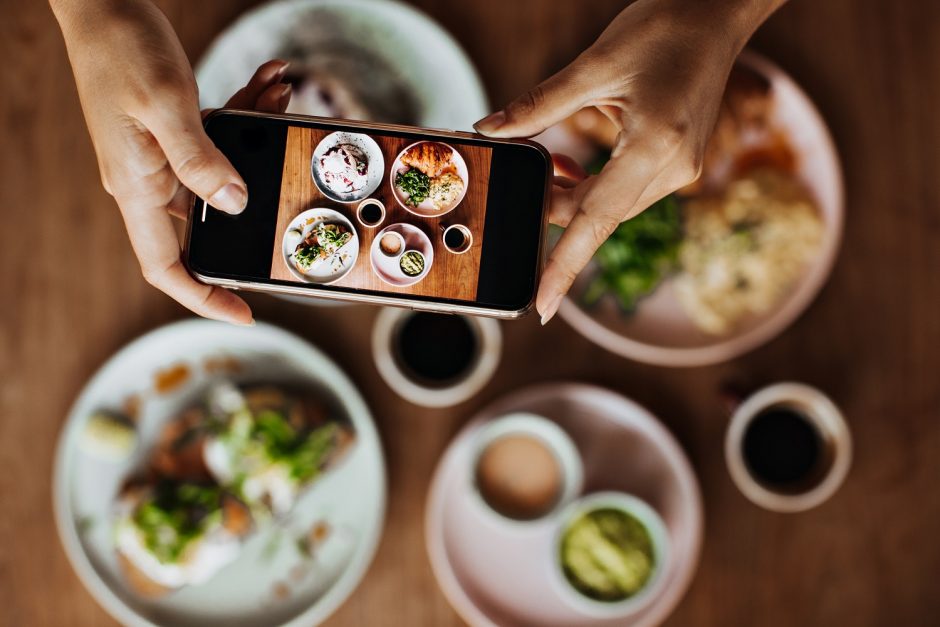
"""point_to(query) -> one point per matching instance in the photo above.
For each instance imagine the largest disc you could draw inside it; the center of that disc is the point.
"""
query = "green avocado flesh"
(607, 555)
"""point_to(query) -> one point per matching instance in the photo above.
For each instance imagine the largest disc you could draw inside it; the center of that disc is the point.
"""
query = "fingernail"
(250, 323)
(282, 70)
(232, 198)
(551, 309)
(284, 100)
(491, 122)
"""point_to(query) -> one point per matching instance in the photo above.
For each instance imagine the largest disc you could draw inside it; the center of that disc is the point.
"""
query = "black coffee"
(436, 349)
(371, 214)
(455, 239)
(784, 450)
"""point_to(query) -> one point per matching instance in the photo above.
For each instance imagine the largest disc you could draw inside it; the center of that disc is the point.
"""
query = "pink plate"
(427, 209)
(659, 332)
(501, 574)
(387, 268)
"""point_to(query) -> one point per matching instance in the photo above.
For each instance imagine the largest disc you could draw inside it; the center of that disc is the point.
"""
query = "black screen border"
(514, 223)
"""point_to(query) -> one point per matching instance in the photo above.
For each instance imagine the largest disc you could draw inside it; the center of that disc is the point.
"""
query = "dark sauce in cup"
(785, 451)
(435, 350)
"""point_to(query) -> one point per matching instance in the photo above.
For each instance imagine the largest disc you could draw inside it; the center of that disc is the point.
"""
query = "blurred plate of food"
(727, 263)
(203, 477)
(347, 167)
(375, 60)
(508, 493)
(320, 246)
(401, 254)
(429, 179)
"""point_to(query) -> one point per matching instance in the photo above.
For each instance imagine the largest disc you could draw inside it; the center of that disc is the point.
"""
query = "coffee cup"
(788, 447)
(435, 360)
(370, 213)
(457, 239)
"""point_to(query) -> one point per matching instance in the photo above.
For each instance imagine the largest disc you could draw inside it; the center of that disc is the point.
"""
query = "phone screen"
(335, 207)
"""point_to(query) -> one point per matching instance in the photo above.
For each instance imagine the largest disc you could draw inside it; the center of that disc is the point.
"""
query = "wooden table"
(72, 294)
(451, 275)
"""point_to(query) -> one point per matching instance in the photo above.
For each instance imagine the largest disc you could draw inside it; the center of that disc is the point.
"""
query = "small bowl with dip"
(526, 469)
(633, 541)
(401, 254)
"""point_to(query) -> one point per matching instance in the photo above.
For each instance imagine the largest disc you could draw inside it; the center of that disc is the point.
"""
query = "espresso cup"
(788, 447)
(365, 207)
(451, 241)
(401, 352)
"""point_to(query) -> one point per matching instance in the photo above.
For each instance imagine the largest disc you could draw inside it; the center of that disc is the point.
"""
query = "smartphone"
(429, 219)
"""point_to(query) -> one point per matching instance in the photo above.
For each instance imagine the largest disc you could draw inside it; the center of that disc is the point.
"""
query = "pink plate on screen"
(659, 332)
(494, 573)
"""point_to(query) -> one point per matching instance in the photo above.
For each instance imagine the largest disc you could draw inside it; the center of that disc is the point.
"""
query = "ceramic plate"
(427, 209)
(428, 60)
(334, 267)
(501, 574)
(374, 173)
(270, 583)
(387, 268)
(659, 331)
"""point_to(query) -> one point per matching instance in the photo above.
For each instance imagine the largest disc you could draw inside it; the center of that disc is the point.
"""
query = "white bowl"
(551, 435)
(374, 173)
(659, 538)
(660, 332)
(84, 486)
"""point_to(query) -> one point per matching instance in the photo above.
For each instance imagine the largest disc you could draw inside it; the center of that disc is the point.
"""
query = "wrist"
(735, 20)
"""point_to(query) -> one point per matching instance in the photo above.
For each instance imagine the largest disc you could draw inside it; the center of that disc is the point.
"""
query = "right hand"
(141, 105)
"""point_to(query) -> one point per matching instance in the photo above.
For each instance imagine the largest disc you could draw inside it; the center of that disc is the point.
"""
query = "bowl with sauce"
(610, 551)
(526, 468)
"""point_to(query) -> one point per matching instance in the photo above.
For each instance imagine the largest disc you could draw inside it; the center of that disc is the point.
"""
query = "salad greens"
(177, 514)
(416, 184)
(638, 255)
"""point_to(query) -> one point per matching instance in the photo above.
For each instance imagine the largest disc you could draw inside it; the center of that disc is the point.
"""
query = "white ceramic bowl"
(489, 340)
(659, 538)
(84, 486)
(660, 332)
(373, 154)
(551, 435)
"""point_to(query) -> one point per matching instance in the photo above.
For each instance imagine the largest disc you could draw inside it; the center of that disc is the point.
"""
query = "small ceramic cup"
(364, 205)
(553, 437)
(824, 416)
(489, 342)
(392, 236)
(659, 539)
(464, 232)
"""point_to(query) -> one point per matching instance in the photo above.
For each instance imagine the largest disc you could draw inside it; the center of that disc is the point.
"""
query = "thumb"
(198, 164)
(542, 106)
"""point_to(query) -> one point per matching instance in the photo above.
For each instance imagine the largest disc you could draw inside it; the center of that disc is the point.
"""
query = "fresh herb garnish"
(177, 514)
(416, 184)
(638, 255)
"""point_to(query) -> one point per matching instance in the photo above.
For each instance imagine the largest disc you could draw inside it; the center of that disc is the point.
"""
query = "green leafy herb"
(177, 514)
(638, 255)
(304, 256)
(416, 184)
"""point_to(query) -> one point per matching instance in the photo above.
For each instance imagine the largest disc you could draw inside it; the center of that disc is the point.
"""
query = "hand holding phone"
(433, 220)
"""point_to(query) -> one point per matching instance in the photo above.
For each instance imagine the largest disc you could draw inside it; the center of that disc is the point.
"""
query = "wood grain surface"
(451, 275)
(71, 294)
